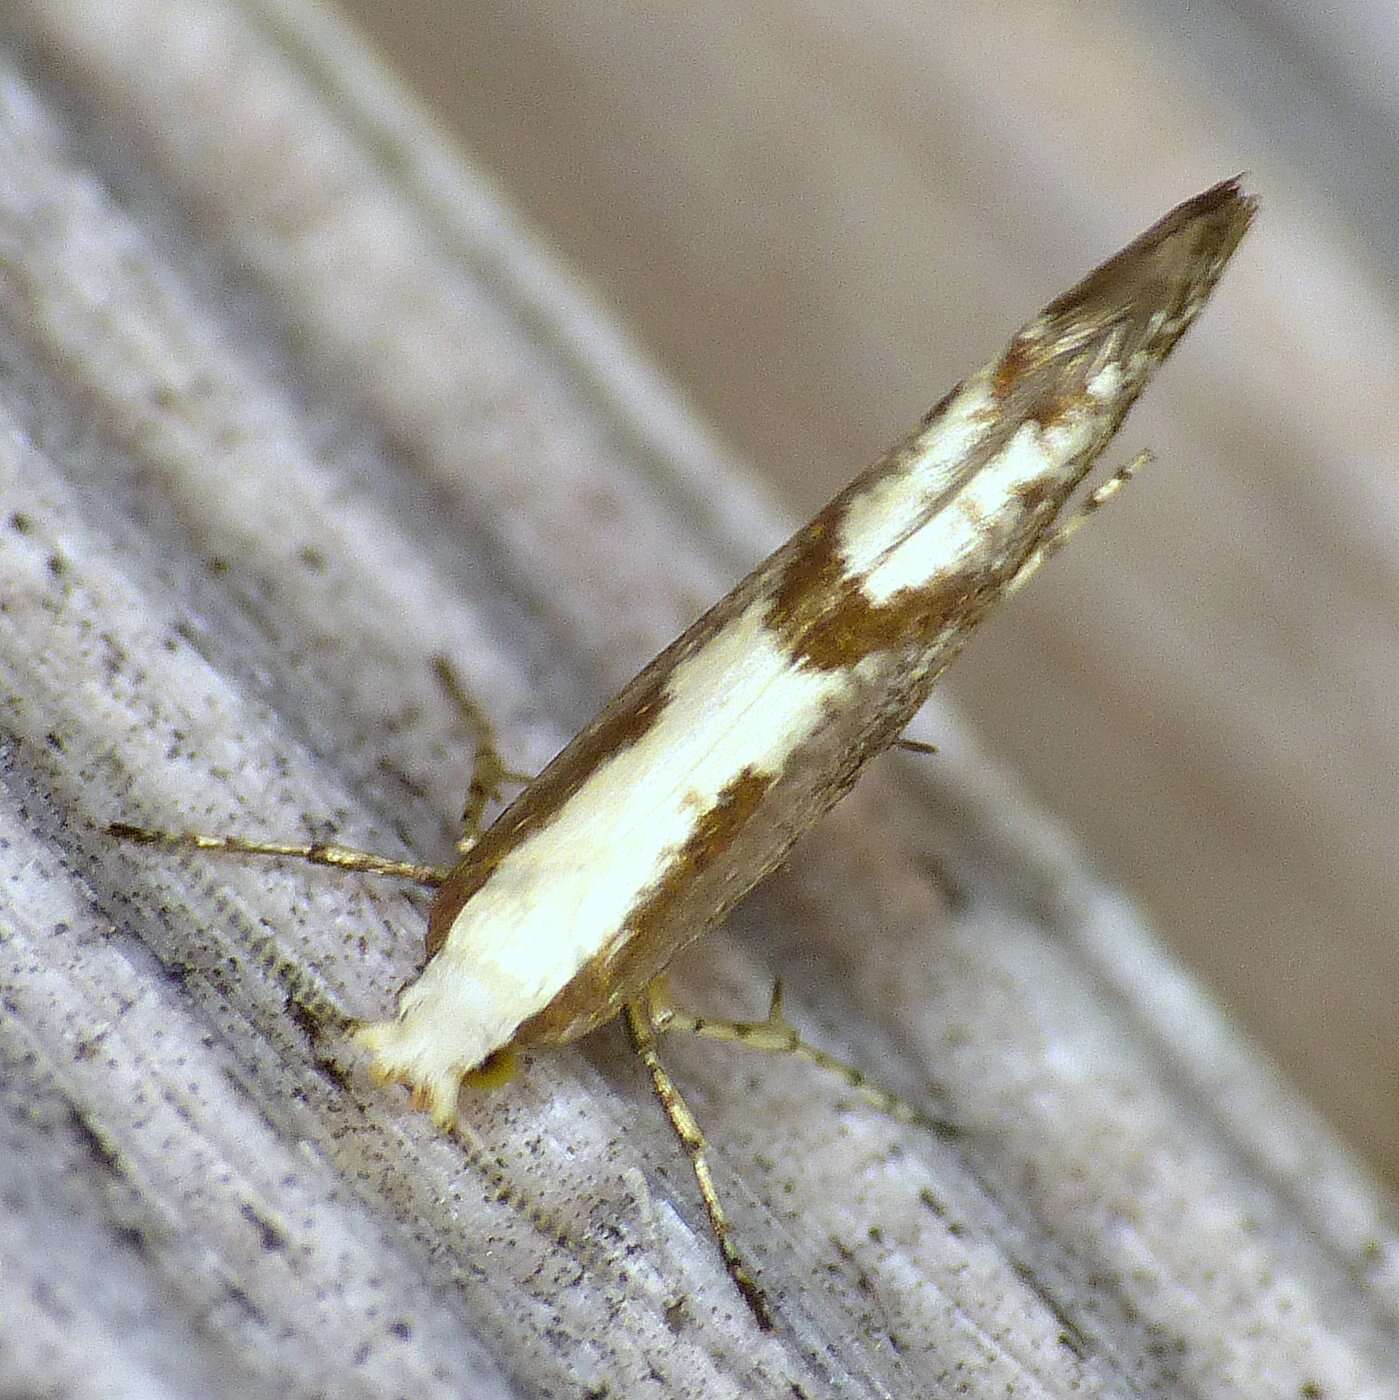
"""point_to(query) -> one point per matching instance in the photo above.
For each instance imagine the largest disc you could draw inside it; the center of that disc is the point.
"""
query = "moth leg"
(1047, 548)
(488, 775)
(776, 1034)
(920, 746)
(1056, 539)
(488, 769)
(317, 853)
(641, 1030)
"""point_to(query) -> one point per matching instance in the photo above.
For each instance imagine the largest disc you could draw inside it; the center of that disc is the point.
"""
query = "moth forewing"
(695, 781)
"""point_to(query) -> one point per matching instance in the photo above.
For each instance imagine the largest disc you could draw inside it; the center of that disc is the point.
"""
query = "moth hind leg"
(1058, 537)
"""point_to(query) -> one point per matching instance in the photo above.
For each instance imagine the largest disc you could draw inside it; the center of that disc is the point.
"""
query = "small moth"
(696, 780)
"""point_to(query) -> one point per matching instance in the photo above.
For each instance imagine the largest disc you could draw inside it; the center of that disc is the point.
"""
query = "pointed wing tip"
(1153, 288)
(1214, 220)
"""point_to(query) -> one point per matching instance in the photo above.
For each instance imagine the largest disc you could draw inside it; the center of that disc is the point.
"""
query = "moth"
(696, 780)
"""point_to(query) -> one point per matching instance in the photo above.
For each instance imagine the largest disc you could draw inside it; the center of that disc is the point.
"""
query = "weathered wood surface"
(291, 403)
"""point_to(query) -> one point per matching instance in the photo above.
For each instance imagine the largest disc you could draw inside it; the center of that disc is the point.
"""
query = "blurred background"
(816, 216)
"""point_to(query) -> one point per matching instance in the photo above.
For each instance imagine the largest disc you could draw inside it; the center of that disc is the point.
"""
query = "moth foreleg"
(317, 852)
(489, 773)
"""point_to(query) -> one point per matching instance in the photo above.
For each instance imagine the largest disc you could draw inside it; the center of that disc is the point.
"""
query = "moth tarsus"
(694, 782)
